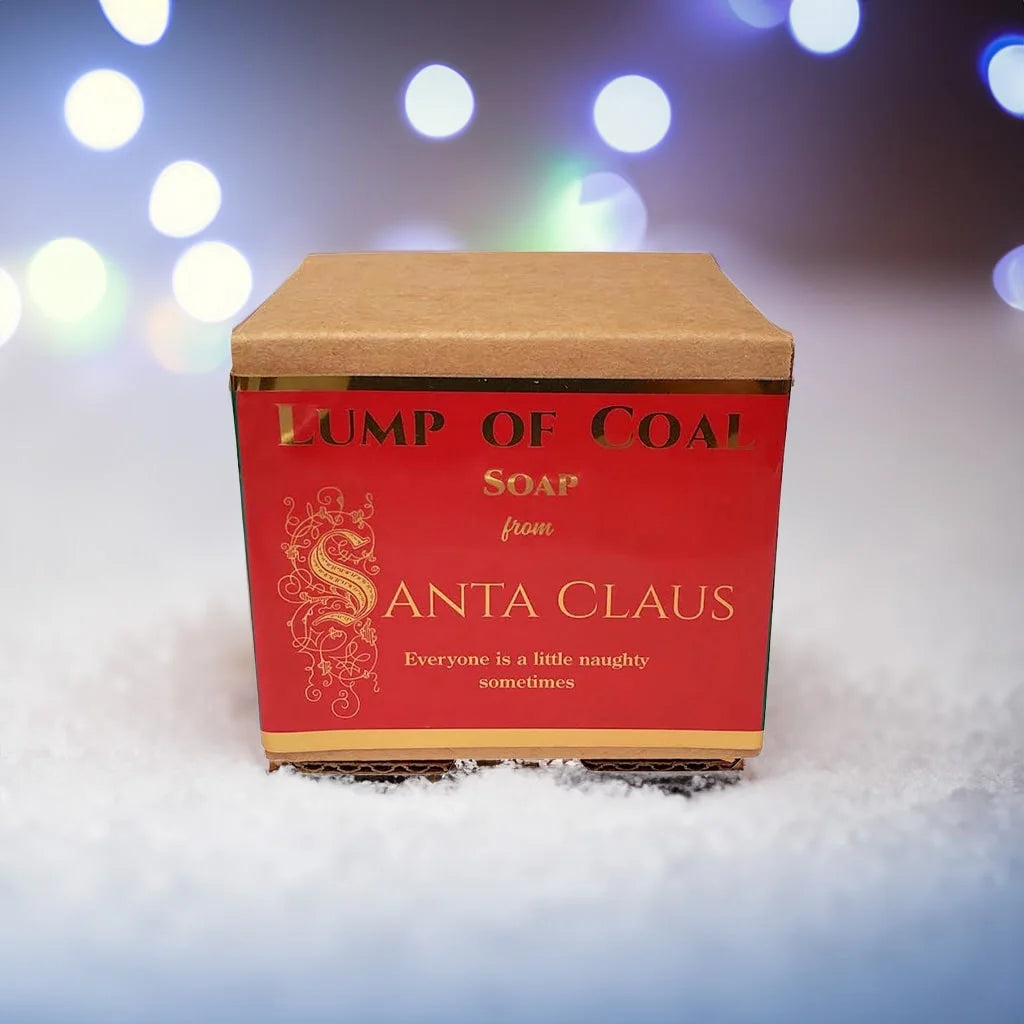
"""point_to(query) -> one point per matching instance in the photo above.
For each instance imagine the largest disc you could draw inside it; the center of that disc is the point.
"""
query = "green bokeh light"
(97, 331)
(582, 209)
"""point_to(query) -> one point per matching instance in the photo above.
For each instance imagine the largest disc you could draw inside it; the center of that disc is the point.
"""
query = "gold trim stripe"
(537, 384)
(510, 740)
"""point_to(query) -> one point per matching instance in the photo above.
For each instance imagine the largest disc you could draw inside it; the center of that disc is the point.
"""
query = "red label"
(476, 560)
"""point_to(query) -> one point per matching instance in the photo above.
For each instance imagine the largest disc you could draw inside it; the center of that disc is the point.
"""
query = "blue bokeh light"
(632, 113)
(439, 102)
(1001, 66)
(824, 27)
(1008, 278)
(760, 13)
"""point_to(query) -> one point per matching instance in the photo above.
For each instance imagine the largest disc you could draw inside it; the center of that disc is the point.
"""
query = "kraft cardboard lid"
(671, 316)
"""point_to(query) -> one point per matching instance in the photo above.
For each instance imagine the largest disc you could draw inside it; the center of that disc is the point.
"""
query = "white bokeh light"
(824, 26)
(212, 281)
(760, 13)
(142, 22)
(438, 101)
(632, 113)
(10, 306)
(600, 211)
(103, 109)
(96, 329)
(1008, 278)
(67, 279)
(1005, 74)
(185, 198)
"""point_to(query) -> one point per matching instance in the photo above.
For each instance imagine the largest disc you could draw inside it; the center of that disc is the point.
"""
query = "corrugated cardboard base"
(660, 771)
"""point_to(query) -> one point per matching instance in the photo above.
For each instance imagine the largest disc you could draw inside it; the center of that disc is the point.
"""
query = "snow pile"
(151, 870)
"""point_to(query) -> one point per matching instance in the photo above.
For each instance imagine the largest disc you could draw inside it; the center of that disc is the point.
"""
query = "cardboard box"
(510, 505)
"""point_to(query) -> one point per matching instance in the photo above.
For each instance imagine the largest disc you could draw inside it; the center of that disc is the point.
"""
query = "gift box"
(510, 506)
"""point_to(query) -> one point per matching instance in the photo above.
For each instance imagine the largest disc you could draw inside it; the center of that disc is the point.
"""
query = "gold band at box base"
(501, 744)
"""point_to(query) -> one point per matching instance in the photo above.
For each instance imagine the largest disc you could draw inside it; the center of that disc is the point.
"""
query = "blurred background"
(165, 166)
(856, 167)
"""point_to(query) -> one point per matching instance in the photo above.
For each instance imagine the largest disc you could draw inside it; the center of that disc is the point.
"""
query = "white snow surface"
(870, 864)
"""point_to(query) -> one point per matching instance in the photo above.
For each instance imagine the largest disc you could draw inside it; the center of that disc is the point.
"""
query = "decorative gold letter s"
(331, 553)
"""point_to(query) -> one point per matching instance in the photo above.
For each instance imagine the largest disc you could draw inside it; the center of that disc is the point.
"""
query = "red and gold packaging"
(510, 506)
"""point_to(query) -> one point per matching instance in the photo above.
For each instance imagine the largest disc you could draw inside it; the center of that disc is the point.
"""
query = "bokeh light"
(67, 279)
(761, 13)
(212, 281)
(599, 211)
(419, 235)
(103, 109)
(632, 113)
(94, 332)
(824, 26)
(142, 22)
(10, 306)
(185, 198)
(1008, 278)
(438, 101)
(1004, 71)
(182, 344)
